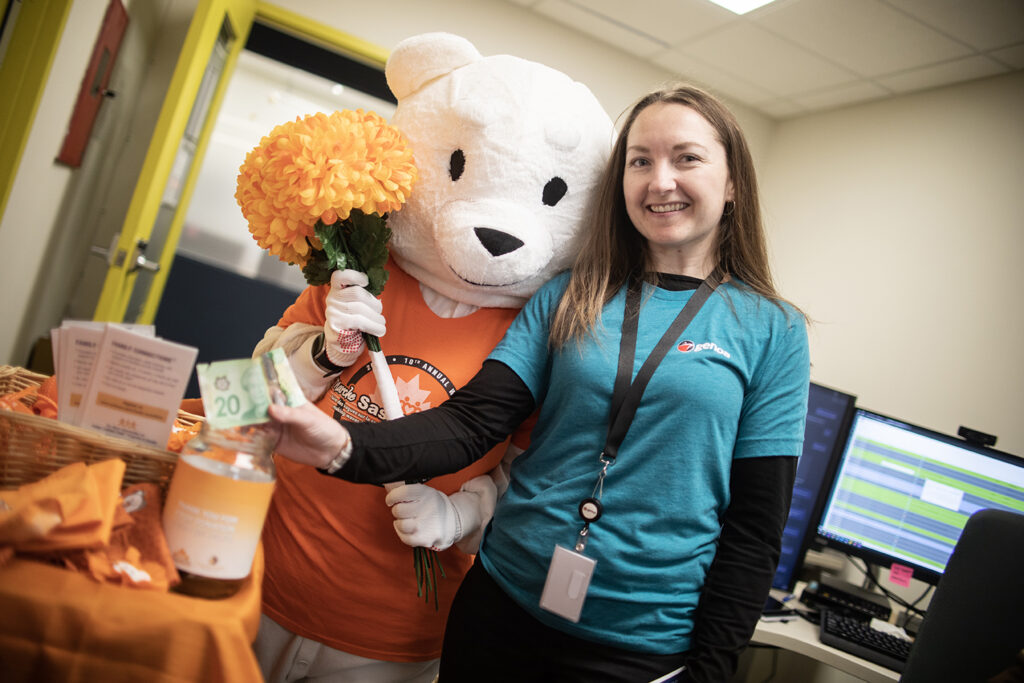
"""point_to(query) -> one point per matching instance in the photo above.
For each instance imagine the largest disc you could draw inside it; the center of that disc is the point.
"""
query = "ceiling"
(794, 57)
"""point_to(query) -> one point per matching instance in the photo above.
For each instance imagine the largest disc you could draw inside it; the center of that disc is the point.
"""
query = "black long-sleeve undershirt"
(444, 439)
(490, 407)
(741, 574)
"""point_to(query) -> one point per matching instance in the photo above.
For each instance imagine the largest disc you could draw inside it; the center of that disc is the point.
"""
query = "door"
(139, 258)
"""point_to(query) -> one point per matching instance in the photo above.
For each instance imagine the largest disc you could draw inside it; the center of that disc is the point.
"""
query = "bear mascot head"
(508, 152)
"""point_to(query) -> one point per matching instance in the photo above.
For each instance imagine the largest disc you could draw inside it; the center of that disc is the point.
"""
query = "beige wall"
(893, 224)
(896, 226)
(27, 227)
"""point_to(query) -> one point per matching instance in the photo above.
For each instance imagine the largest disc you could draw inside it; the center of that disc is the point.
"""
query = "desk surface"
(801, 636)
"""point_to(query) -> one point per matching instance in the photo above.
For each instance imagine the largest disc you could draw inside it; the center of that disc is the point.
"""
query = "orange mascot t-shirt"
(336, 572)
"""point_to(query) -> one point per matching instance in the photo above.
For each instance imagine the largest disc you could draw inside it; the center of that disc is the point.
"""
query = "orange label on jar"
(213, 521)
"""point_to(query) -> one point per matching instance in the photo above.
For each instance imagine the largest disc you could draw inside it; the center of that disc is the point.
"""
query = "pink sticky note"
(900, 574)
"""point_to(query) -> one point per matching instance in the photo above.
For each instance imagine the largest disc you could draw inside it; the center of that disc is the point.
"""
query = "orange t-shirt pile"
(79, 517)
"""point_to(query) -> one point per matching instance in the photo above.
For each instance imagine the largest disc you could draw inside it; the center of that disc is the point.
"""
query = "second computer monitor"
(828, 418)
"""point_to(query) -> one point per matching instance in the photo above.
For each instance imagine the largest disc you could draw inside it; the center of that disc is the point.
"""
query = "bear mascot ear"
(420, 59)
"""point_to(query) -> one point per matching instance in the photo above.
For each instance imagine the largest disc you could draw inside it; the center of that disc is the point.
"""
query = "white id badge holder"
(566, 586)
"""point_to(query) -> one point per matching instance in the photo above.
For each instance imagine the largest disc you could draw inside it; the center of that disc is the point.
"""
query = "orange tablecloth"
(58, 625)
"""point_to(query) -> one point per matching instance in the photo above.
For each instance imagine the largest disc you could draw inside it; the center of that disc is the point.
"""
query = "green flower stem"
(426, 563)
(360, 243)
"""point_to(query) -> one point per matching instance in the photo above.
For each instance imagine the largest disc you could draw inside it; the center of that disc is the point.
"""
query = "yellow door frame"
(24, 72)
(203, 34)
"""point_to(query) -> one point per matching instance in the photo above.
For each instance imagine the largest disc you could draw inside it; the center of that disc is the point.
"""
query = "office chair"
(974, 628)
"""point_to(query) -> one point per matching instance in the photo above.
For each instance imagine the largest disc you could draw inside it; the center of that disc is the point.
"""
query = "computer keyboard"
(858, 638)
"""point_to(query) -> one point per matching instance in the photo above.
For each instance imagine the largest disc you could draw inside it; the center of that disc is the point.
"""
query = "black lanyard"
(626, 394)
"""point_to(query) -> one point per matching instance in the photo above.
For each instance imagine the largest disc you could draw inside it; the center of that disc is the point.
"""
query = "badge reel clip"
(570, 571)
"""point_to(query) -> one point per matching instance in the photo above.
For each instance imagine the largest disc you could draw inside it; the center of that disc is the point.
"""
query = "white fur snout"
(492, 243)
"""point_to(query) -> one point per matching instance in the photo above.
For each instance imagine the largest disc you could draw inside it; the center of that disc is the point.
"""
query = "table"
(59, 625)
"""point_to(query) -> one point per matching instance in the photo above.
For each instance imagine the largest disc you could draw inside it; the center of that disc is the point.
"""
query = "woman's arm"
(438, 441)
(741, 574)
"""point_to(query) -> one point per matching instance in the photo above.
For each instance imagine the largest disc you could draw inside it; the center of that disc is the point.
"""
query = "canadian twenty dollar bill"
(238, 392)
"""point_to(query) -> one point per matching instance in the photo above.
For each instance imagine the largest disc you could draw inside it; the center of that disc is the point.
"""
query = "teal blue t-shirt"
(734, 385)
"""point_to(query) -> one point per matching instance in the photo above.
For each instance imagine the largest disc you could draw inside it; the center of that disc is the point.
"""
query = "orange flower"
(321, 168)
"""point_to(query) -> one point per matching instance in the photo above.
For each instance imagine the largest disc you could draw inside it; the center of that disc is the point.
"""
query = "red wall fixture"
(94, 85)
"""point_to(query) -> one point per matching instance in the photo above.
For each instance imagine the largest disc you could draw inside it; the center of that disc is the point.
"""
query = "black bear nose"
(496, 241)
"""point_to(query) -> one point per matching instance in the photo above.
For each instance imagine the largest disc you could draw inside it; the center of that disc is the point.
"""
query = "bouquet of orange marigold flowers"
(316, 192)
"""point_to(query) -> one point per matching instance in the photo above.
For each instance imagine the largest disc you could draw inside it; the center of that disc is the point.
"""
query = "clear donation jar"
(216, 504)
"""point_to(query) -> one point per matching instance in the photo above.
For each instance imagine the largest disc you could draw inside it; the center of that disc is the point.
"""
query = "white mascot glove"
(350, 310)
(425, 517)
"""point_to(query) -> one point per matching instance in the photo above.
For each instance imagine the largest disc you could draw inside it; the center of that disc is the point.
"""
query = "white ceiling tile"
(860, 91)
(795, 56)
(711, 78)
(942, 74)
(983, 24)
(1012, 56)
(864, 35)
(749, 52)
(670, 21)
(599, 27)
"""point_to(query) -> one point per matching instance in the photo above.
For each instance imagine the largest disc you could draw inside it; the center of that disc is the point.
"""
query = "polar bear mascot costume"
(508, 153)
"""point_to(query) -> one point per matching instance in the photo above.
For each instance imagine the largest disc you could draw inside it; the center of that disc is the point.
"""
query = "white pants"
(285, 657)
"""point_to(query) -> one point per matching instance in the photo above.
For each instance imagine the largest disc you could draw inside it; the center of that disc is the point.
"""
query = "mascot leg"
(284, 657)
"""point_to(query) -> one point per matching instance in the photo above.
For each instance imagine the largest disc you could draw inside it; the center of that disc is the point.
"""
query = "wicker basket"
(32, 447)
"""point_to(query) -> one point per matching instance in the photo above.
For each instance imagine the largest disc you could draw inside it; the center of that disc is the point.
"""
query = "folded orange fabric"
(181, 434)
(137, 555)
(72, 508)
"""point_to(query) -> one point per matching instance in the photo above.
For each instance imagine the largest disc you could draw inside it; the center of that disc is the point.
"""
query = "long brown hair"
(612, 250)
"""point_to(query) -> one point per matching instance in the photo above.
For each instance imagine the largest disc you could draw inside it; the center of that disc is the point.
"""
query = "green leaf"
(378, 278)
(332, 237)
(360, 242)
(317, 270)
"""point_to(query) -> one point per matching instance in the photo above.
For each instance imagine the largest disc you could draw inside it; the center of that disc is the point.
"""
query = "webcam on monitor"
(974, 436)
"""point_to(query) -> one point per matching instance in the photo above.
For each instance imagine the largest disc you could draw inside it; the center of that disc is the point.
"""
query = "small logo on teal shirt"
(688, 346)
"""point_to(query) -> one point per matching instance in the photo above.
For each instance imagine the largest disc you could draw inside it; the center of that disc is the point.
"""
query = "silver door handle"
(145, 264)
(112, 255)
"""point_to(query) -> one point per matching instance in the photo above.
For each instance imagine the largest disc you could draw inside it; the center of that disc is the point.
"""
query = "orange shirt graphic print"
(354, 396)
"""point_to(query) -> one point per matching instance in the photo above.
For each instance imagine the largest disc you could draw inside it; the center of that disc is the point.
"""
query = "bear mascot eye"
(457, 164)
(554, 190)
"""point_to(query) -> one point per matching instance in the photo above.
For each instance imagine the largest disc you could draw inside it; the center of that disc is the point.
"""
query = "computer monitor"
(828, 417)
(901, 493)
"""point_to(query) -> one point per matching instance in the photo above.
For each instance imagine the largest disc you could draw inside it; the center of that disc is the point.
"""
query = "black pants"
(491, 638)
